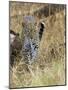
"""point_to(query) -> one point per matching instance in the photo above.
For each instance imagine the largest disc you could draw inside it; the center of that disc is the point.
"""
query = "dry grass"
(51, 74)
(49, 68)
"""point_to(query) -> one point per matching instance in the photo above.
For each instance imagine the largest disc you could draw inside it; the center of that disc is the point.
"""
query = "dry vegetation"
(49, 68)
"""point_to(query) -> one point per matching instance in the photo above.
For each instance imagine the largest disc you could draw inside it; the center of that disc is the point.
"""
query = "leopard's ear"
(12, 32)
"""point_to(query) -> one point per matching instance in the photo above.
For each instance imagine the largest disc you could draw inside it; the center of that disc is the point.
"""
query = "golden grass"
(50, 75)
(49, 68)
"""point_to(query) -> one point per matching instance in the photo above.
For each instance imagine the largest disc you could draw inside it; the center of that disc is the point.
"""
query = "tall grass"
(49, 68)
